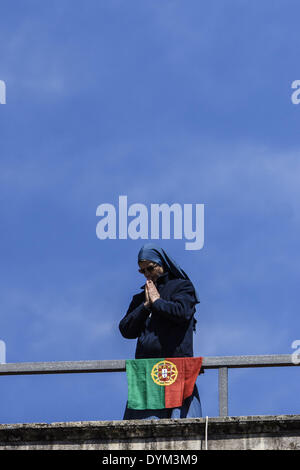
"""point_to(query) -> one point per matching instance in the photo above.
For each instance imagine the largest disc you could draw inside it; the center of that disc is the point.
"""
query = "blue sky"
(165, 102)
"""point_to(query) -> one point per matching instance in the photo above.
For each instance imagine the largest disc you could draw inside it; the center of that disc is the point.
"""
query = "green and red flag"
(161, 382)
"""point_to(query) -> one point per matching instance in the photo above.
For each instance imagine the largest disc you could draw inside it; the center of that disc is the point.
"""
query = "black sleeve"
(181, 307)
(133, 322)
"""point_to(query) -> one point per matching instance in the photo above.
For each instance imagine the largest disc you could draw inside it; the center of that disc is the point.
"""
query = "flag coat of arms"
(161, 382)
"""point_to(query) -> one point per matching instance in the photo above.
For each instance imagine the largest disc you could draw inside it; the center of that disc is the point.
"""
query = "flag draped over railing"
(161, 382)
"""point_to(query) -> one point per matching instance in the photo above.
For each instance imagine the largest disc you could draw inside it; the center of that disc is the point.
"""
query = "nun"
(162, 319)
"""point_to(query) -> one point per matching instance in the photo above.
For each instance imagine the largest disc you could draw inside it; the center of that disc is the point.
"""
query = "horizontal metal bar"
(20, 368)
(274, 360)
(212, 362)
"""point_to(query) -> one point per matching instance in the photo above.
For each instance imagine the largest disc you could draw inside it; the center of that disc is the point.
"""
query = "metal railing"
(222, 363)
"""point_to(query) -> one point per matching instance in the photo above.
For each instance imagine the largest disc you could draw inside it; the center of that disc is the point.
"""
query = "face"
(151, 270)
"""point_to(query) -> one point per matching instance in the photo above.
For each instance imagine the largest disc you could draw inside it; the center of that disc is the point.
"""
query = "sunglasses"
(149, 269)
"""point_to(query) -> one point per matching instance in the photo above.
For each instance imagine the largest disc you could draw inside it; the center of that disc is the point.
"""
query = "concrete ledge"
(236, 433)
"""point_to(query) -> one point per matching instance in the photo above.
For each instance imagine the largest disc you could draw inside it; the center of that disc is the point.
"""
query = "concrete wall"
(236, 433)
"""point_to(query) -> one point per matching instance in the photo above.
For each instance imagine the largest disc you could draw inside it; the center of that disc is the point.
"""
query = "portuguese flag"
(162, 382)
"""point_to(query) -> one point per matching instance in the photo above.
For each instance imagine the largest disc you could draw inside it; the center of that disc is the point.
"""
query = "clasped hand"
(151, 293)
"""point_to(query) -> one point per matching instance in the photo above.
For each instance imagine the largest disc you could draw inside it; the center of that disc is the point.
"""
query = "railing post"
(223, 391)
